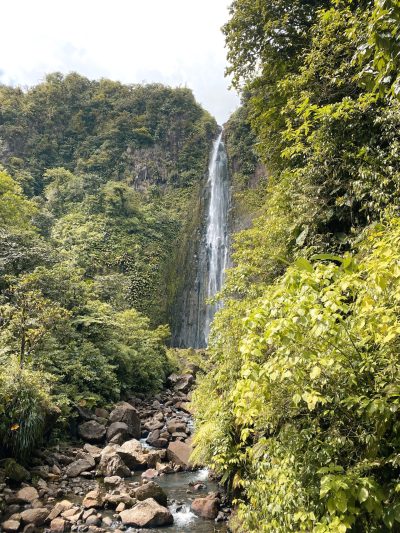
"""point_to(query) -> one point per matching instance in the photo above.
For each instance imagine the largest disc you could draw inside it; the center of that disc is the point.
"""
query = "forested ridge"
(94, 192)
(299, 409)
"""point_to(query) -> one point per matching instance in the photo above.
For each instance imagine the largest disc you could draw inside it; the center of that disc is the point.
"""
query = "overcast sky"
(177, 42)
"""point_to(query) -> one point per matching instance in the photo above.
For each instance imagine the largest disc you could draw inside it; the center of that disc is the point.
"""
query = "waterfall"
(217, 235)
(211, 258)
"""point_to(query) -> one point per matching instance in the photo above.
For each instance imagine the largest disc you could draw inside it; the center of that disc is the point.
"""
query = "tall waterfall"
(211, 258)
(217, 245)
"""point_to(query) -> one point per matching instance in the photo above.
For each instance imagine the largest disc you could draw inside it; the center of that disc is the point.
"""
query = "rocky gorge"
(115, 474)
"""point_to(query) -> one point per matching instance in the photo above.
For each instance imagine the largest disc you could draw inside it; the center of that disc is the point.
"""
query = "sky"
(176, 42)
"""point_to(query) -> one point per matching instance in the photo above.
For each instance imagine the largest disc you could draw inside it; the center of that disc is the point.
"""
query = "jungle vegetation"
(299, 408)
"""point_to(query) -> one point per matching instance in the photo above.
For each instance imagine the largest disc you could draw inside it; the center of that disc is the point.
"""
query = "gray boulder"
(92, 431)
(125, 412)
(147, 513)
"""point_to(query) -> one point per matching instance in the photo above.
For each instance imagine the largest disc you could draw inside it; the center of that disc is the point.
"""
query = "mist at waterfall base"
(212, 256)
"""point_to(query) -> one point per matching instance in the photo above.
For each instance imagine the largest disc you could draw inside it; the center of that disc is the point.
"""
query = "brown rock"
(94, 498)
(151, 490)
(35, 516)
(27, 495)
(10, 526)
(59, 508)
(207, 507)
(147, 513)
(92, 450)
(150, 473)
(57, 525)
(102, 413)
(179, 453)
(131, 452)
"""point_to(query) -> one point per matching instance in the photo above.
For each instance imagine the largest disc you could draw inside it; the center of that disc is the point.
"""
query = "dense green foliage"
(93, 207)
(298, 408)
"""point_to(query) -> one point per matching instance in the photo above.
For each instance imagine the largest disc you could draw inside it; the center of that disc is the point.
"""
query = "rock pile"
(89, 487)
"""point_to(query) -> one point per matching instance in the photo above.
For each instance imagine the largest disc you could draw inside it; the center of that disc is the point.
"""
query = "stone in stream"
(125, 412)
(94, 498)
(81, 465)
(150, 473)
(112, 481)
(92, 431)
(151, 490)
(207, 507)
(179, 453)
(147, 513)
(131, 452)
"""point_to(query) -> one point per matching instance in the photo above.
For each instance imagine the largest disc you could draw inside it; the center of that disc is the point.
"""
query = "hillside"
(97, 182)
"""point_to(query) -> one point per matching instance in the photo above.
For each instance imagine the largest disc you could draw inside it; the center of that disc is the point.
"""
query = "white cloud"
(178, 42)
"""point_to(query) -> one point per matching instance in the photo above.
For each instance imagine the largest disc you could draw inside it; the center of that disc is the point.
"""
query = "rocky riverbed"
(129, 470)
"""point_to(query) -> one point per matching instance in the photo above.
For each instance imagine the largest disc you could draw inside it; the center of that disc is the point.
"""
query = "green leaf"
(304, 264)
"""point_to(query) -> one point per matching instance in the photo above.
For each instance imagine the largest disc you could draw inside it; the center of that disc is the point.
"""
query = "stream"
(176, 485)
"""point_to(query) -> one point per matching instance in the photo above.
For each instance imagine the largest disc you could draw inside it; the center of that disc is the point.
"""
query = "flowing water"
(217, 235)
(212, 255)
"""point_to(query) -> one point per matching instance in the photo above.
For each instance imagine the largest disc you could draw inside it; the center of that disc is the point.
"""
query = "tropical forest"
(200, 322)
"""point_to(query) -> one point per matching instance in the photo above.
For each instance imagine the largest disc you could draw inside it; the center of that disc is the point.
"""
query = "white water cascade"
(211, 256)
(217, 234)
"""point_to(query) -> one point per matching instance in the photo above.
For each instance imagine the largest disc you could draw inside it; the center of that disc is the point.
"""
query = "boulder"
(92, 431)
(27, 495)
(81, 465)
(147, 513)
(59, 508)
(160, 443)
(179, 453)
(94, 451)
(118, 428)
(16, 472)
(207, 507)
(10, 526)
(176, 426)
(112, 481)
(57, 525)
(101, 413)
(131, 452)
(153, 436)
(94, 498)
(115, 500)
(125, 412)
(151, 490)
(184, 383)
(115, 466)
(150, 473)
(35, 516)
